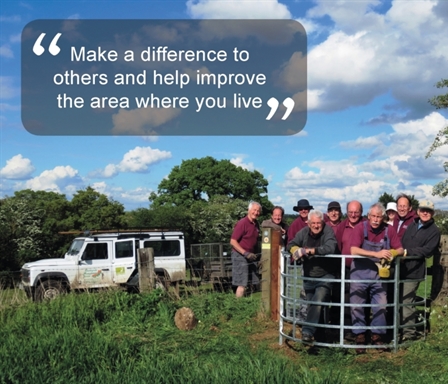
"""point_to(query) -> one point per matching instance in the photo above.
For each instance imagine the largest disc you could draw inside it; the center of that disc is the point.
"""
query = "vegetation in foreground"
(115, 337)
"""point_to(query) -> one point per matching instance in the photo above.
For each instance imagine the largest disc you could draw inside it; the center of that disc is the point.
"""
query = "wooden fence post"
(146, 276)
(440, 273)
(270, 258)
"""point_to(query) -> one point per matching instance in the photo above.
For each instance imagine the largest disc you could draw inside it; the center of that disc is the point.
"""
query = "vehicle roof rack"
(88, 232)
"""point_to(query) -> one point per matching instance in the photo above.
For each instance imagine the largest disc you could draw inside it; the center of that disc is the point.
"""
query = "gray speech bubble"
(164, 77)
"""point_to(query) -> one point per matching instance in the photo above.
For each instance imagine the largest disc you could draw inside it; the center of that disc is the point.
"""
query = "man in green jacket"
(421, 238)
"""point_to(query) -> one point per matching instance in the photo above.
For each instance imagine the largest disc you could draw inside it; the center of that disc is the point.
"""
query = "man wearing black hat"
(303, 207)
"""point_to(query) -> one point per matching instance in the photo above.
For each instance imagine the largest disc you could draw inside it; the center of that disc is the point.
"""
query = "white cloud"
(370, 142)
(137, 160)
(151, 139)
(142, 121)
(239, 162)
(401, 154)
(428, 125)
(10, 19)
(6, 51)
(137, 195)
(17, 167)
(327, 174)
(8, 107)
(140, 158)
(58, 180)
(242, 9)
(368, 54)
(7, 87)
(15, 38)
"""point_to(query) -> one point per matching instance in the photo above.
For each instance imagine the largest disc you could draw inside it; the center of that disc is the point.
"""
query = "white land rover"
(105, 260)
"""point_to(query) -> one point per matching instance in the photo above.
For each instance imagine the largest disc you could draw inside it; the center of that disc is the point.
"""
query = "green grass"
(115, 337)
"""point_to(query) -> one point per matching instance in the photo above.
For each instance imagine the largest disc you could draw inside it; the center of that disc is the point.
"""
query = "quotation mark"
(52, 48)
(273, 104)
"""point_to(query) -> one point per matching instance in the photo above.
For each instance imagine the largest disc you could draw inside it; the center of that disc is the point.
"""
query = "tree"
(165, 217)
(92, 210)
(386, 198)
(201, 179)
(389, 198)
(440, 102)
(54, 210)
(20, 233)
(213, 221)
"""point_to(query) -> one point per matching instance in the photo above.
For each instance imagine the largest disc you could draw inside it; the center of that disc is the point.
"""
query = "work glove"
(297, 252)
(250, 256)
(383, 270)
(384, 265)
(394, 253)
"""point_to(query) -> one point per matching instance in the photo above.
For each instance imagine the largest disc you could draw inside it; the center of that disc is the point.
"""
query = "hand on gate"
(297, 252)
(384, 254)
(250, 256)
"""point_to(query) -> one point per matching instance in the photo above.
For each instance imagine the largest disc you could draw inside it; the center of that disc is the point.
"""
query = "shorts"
(243, 271)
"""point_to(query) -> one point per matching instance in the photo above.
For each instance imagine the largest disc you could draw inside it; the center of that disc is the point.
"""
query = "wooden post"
(440, 273)
(270, 258)
(146, 275)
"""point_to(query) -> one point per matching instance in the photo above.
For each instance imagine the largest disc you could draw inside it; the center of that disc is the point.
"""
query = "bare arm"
(383, 254)
(237, 246)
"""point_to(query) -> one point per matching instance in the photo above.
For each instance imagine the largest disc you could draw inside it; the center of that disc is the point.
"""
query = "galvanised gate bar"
(292, 302)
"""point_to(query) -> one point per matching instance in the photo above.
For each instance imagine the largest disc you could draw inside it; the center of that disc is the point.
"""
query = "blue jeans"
(318, 291)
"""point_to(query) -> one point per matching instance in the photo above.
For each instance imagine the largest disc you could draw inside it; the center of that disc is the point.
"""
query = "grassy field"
(115, 337)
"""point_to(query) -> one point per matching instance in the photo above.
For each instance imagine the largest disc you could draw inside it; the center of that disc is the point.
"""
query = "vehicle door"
(95, 267)
(169, 257)
(123, 263)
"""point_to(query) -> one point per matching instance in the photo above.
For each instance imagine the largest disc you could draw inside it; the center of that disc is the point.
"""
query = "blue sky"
(372, 66)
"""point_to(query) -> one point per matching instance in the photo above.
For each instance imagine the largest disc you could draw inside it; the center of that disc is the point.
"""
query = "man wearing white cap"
(421, 238)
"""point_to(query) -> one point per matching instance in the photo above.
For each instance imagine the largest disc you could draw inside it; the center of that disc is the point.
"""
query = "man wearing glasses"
(375, 240)
(421, 238)
(405, 214)
(343, 236)
(345, 229)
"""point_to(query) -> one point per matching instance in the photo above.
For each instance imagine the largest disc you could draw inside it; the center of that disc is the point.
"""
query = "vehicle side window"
(95, 251)
(164, 247)
(124, 249)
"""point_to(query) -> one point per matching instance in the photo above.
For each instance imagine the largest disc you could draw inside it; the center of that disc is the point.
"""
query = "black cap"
(334, 204)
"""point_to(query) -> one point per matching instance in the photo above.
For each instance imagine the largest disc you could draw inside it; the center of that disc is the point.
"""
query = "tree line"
(201, 197)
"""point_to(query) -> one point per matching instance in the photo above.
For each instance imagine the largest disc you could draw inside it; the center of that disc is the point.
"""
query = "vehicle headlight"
(25, 274)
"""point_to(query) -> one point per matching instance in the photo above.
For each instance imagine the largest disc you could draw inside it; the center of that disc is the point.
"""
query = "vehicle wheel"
(49, 290)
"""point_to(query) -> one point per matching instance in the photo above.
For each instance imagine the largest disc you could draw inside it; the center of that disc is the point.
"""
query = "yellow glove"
(384, 271)
(393, 253)
(295, 252)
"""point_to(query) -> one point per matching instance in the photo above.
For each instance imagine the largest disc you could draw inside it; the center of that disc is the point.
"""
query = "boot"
(360, 340)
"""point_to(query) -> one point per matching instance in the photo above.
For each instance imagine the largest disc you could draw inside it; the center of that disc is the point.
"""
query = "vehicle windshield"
(75, 247)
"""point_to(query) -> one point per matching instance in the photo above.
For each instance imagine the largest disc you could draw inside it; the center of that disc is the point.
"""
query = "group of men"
(376, 239)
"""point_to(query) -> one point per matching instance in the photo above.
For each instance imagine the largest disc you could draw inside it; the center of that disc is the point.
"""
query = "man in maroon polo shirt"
(333, 216)
(244, 241)
(343, 234)
(345, 229)
(303, 207)
(405, 215)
